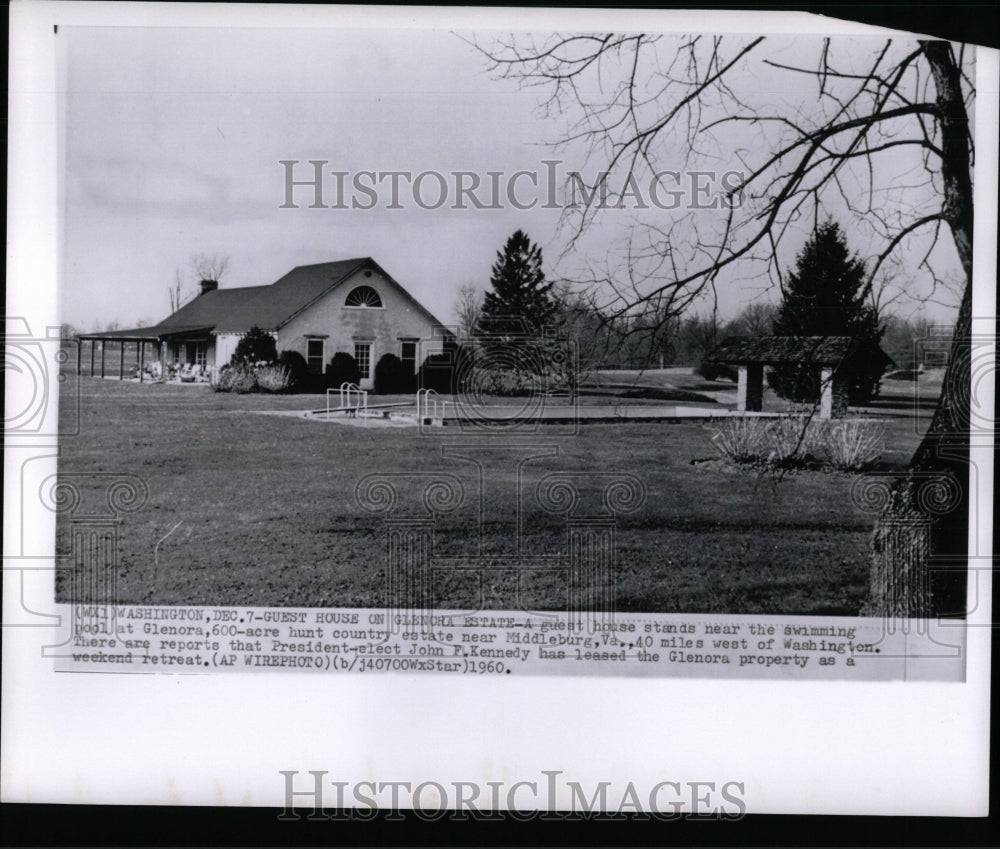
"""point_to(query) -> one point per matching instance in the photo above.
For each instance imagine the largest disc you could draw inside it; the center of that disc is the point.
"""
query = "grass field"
(248, 509)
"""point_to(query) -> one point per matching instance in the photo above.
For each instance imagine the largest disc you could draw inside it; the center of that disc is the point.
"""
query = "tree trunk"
(920, 544)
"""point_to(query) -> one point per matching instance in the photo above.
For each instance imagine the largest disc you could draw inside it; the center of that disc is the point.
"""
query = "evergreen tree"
(519, 304)
(255, 346)
(825, 296)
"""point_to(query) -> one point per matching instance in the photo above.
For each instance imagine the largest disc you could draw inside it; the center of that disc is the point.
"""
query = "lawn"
(251, 509)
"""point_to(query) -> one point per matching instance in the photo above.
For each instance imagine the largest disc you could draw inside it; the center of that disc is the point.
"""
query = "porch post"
(121, 363)
(93, 342)
(102, 357)
(826, 393)
(79, 356)
(142, 357)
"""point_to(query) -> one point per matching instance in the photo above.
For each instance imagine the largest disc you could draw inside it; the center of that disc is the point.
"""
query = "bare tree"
(884, 137)
(209, 267)
(652, 342)
(582, 341)
(699, 336)
(468, 306)
(179, 293)
(755, 319)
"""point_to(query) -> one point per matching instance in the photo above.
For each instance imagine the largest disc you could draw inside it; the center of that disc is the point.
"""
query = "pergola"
(828, 353)
(141, 336)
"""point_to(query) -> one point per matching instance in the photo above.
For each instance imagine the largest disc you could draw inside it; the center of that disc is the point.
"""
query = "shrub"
(222, 380)
(714, 371)
(300, 379)
(240, 379)
(848, 445)
(792, 439)
(391, 377)
(743, 439)
(437, 373)
(272, 378)
(255, 346)
(219, 380)
(771, 442)
(342, 369)
(445, 371)
(497, 381)
(854, 444)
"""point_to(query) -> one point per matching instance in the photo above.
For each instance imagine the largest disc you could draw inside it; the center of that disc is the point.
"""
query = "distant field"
(261, 510)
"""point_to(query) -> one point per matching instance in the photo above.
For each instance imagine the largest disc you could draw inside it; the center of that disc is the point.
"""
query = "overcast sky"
(173, 139)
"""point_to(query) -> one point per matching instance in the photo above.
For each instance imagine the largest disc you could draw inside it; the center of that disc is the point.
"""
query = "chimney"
(209, 286)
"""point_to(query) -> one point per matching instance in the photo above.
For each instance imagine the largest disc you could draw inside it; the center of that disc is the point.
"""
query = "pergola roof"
(136, 334)
(778, 350)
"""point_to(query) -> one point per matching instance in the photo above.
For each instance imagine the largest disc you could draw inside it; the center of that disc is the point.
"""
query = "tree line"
(523, 319)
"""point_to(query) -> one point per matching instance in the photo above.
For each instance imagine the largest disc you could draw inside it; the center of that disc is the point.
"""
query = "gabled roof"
(270, 307)
(239, 309)
(775, 350)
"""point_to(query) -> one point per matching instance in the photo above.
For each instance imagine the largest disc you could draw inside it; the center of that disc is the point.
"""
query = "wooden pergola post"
(750, 387)
(826, 393)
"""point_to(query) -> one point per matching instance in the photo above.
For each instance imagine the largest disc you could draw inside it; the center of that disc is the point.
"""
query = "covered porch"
(146, 353)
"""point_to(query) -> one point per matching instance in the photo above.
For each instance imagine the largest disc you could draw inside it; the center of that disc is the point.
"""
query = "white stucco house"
(350, 305)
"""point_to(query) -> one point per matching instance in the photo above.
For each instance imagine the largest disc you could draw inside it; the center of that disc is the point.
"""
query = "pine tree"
(825, 296)
(519, 304)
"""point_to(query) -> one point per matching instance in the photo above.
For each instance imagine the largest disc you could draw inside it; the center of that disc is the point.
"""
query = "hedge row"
(439, 372)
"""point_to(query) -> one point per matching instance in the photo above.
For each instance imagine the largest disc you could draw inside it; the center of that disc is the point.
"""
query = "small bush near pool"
(343, 368)
(244, 378)
(391, 377)
(742, 440)
(848, 445)
(272, 378)
(854, 444)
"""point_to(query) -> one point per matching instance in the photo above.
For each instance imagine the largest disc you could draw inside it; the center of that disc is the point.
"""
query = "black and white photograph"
(512, 348)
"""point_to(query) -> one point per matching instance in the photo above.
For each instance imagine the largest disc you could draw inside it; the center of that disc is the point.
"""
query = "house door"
(363, 357)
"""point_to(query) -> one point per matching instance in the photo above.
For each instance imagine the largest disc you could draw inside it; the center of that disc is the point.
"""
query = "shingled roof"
(775, 350)
(238, 309)
(268, 307)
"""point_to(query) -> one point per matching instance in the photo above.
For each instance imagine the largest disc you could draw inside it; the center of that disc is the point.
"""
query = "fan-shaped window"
(363, 296)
